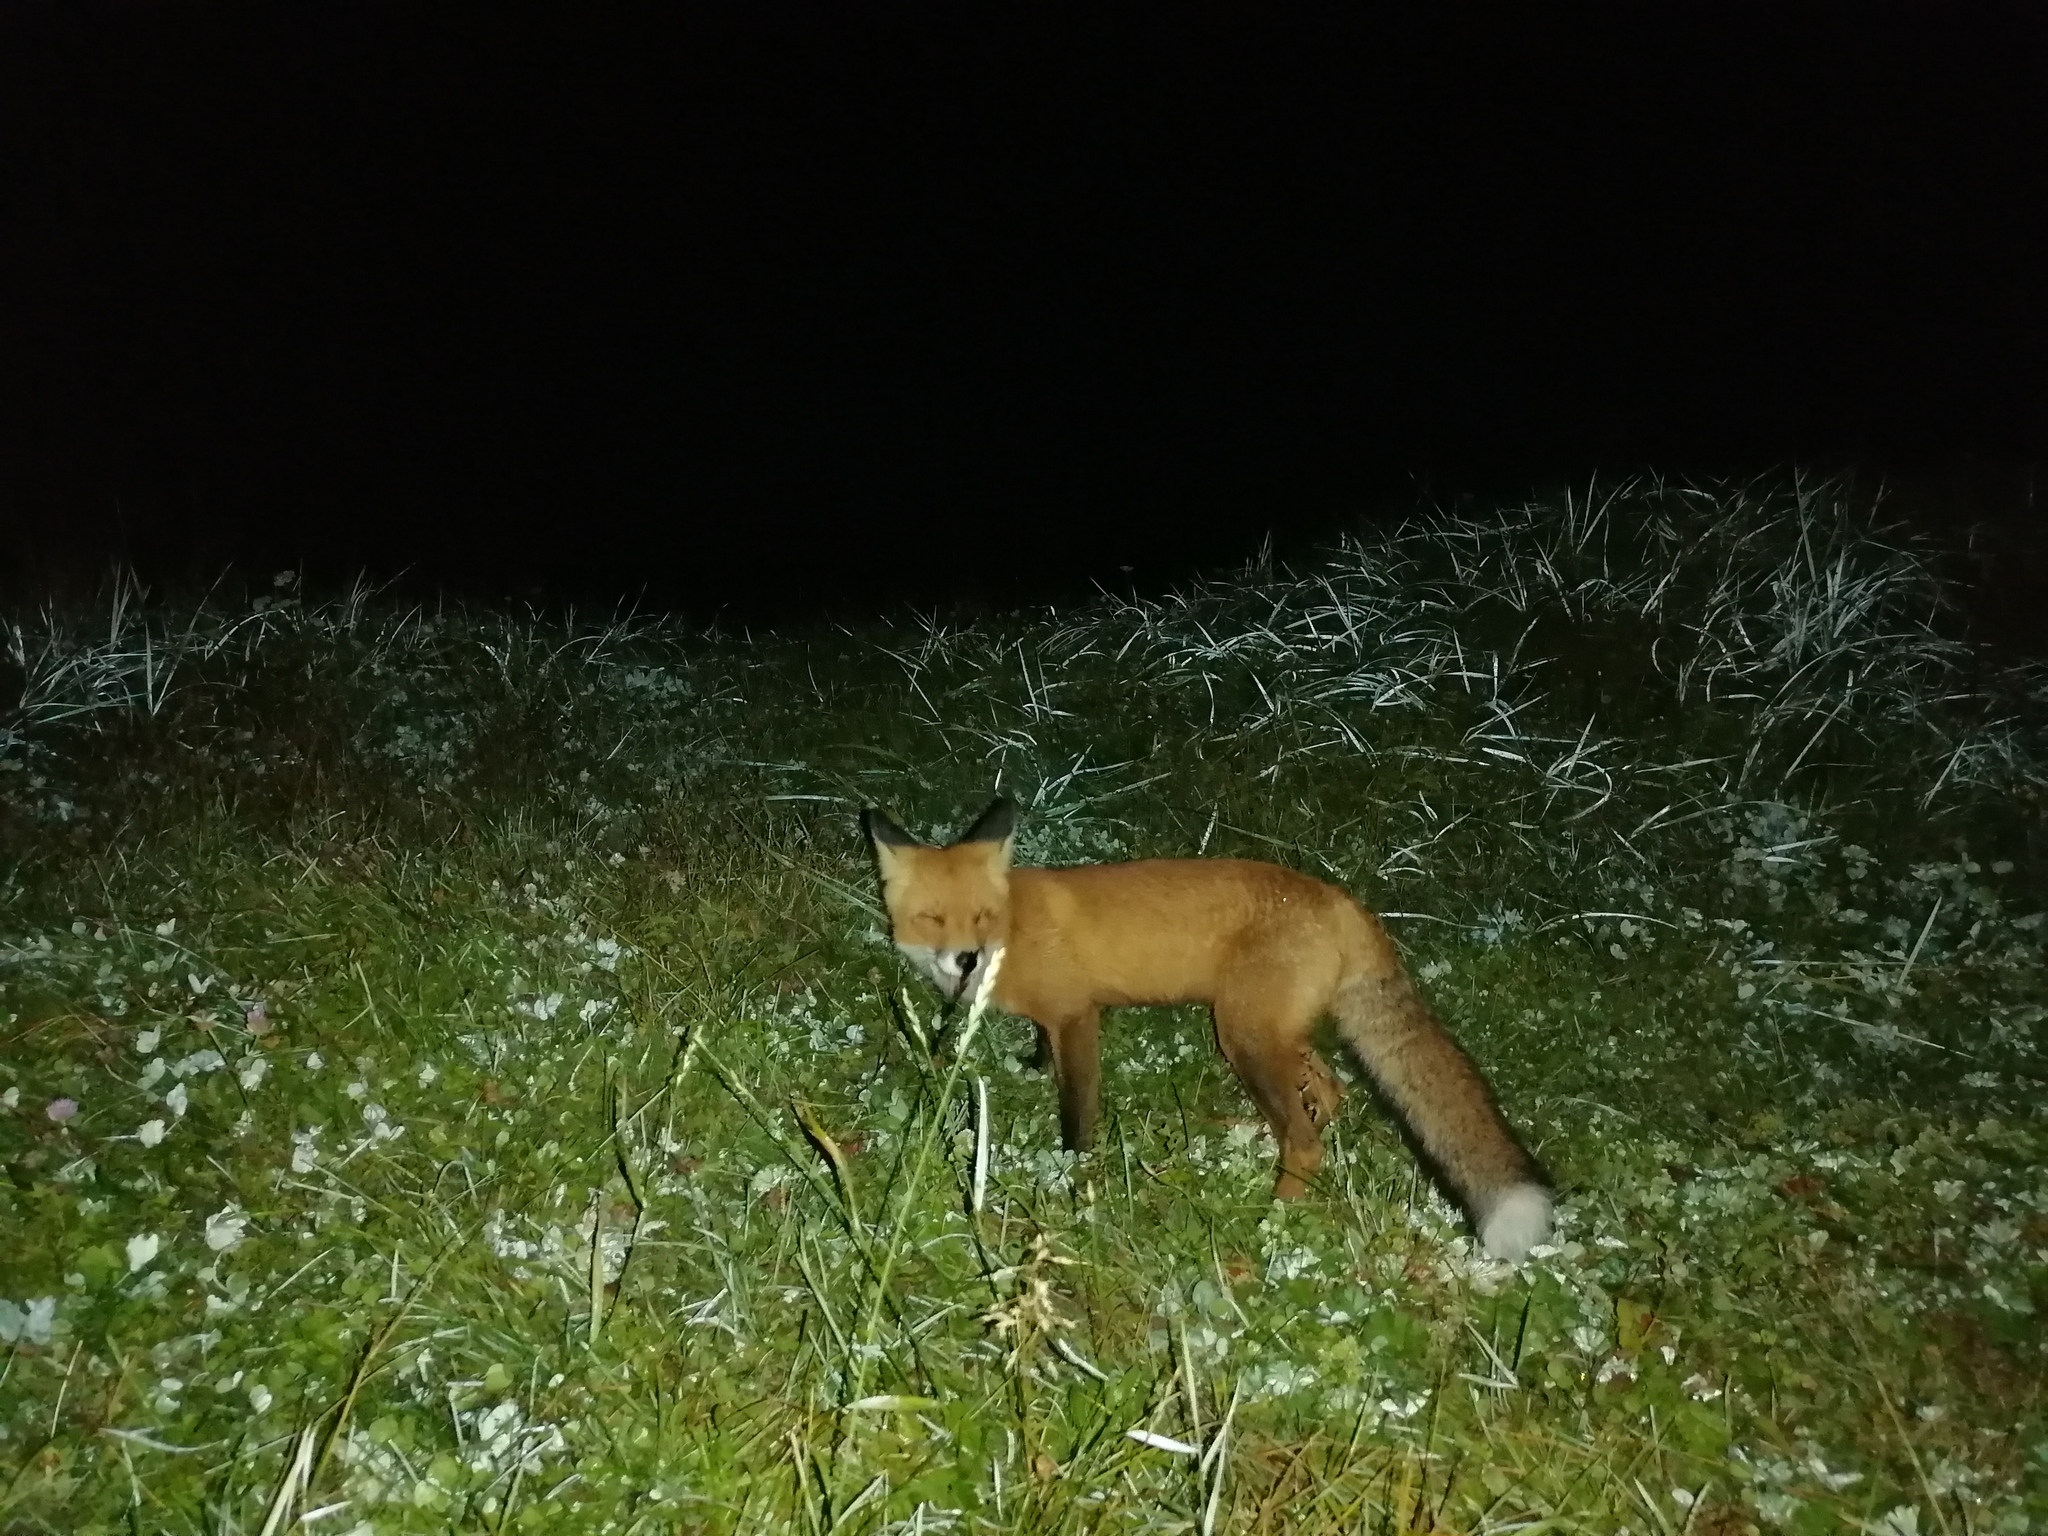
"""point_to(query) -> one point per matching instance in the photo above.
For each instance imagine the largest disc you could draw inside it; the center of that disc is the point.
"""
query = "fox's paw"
(1289, 1185)
(1518, 1220)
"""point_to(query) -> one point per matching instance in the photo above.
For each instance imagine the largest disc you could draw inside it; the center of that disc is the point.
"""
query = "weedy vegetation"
(455, 1076)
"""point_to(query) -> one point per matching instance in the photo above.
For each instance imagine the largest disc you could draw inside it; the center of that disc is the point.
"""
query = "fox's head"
(949, 908)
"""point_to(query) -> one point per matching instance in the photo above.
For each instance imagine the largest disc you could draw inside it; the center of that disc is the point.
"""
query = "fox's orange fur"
(1271, 951)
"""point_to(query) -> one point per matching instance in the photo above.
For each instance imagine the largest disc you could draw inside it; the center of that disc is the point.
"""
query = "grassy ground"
(454, 1076)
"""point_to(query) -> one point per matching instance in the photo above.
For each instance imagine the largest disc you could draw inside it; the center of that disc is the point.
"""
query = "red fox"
(1271, 951)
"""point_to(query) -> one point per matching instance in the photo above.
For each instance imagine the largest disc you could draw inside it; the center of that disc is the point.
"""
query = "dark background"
(766, 307)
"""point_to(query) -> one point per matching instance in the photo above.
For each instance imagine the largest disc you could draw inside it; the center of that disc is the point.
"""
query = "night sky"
(776, 308)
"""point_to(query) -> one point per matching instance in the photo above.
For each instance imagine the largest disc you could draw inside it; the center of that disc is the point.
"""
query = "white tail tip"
(1519, 1220)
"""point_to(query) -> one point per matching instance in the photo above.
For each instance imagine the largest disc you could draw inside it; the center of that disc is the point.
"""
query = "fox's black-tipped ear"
(993, 825)
(884, 831)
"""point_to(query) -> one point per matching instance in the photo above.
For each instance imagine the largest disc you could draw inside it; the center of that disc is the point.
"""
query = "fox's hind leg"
(1264, 1032)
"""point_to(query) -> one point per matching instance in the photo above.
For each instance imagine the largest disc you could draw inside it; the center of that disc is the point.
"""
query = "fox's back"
(1168, 930)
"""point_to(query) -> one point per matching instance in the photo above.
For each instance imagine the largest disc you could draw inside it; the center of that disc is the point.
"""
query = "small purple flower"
(257, 1019)
(61, 1110)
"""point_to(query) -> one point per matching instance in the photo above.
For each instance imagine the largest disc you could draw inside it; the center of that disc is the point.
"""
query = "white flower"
(176, 1100)
(259, 1397)
(34, 1323)
(10, 1098)
(150, 1133)
(146, 1042)
(593, 1010)
(152, 1072)
(224, 1228)
(315, 1061)
(305, 1154)
(167, 927)
(142, 1250)
(378, 1119)
(199, 1061)
(497, 1424)
(252, 1071)
(428, 1073)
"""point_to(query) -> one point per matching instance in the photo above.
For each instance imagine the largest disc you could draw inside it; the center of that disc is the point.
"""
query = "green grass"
(585, 1167)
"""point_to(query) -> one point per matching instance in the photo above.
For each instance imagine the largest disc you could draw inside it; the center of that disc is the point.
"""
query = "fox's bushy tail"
(1436, 1089)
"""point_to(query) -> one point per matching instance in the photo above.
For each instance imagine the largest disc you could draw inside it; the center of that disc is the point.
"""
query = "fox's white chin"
(933, 965)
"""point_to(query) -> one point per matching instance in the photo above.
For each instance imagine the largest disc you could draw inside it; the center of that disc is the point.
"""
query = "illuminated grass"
(583, 1168)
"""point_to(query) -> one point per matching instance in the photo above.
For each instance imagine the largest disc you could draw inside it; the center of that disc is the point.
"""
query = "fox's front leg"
(1076, 1043)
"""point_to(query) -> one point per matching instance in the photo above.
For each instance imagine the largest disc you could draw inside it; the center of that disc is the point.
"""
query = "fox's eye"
(928, 917)
(984, 917)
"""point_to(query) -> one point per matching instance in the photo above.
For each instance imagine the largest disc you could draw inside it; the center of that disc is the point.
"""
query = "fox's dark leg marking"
(1322, 1095)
